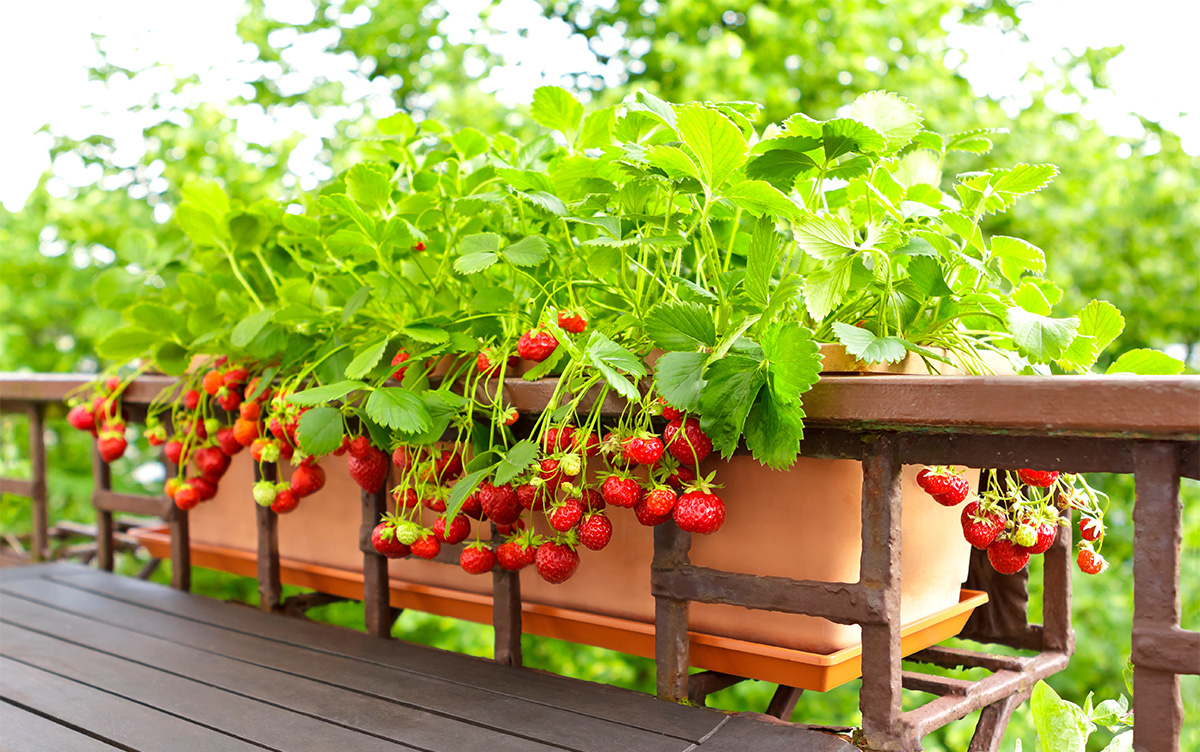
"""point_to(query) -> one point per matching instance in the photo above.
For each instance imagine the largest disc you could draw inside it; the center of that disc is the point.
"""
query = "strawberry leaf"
(517, 460)
(320, 430)
(249, 327)
(761, 261)
(555, 108)
(868, 348)
(462, 489)
(529, 251)
(774, 430)
(681, 326)
(679, 379)
(1144, 362)
(366, 359)
(398, 408)
(793, 360)
(608, 357)
(733, 383)
(717, 144)
(319, 395)
(1040, 338)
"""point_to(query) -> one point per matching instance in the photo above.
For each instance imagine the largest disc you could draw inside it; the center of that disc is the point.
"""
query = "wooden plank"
(38, 571)
(597, 700)
(112, 718)
(237, 715)
(16, 487)
(317, 683)
(742, 734)
(24, 731)
(37, 474)
(150, 506)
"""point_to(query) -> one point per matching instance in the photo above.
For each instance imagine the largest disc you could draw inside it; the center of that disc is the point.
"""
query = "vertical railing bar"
(671, 646)
(267, 524)
(1157, 539)
(105, 531)
(181, 544)
(880, 696)
(37, 466)
(377, 608)
(506, 613)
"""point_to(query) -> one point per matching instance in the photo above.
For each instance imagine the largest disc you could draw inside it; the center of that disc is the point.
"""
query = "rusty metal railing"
(1148, 427)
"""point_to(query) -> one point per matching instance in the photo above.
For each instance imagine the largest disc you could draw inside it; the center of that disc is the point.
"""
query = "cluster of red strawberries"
(555, 486)
(102, 417)
(1021, 519)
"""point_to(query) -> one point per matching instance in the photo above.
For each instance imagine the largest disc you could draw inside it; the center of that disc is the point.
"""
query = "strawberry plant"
(678, 259)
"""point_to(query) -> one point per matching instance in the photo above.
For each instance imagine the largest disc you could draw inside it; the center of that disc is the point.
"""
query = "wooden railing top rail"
(1159, 407)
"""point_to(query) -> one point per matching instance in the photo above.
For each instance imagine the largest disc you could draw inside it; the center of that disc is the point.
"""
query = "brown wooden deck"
(92, 661)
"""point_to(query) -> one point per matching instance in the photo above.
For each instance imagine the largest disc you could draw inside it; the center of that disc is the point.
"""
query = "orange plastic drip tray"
(795, 668)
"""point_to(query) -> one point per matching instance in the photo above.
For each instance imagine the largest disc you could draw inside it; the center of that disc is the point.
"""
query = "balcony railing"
(1148, 427)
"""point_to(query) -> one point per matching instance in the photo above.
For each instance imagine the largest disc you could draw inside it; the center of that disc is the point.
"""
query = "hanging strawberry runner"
(670, 269)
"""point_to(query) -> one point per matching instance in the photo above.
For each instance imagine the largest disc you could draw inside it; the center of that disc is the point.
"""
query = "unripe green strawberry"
(407, 532)
(571, 465)
(270, 452)
(1025, 536)
(212, 425)
(264, 493)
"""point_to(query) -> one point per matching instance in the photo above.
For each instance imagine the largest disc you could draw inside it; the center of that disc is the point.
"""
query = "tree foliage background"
(1122, 222)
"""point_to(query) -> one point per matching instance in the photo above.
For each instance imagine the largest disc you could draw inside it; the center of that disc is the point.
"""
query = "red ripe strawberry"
(307, 480)
(111, 444)
(341, 450)
(644, 450)
(211, 462)
(111, 384)
(186, 497)
(235, 377)
(1091, 529)
(222, 361)
(1007, 557)
(556, 562)
(250, 411)
(213, 381)
(514, 555)
(170, 487)
(680, 477)
(591, 445)
(82, 417)
(448, 466)
(660, 501)
(435, 502)
(472, 508)
(499, 503)
(402, 458)
(592, 500)
(595, 531)
(245, 431)
(277, 428)
(483, 362)
(668, 412)
(646, 515)
(559, 439)
(173, 451)
(227, 442)
(1046, 533)
(959, 488)
(621, 491)
(510, 416)
(937, 480)
(370, 470)
(566, 514)
(457, 531)
(1038, 478)
(191, 399)
(285, 501)
(1090, 561)
(359, 446)
(685, 441)
(383, 540)
(532, 497)
(228, 399)
(198, 428)
(516, 527)
(981, 528)
(477, 558)
(536, 346)
(205, 487)
(699, 512)
(405, 498)
(398, 360)
(551, 473)
(572, 321)
(427, 546)
(156, 436)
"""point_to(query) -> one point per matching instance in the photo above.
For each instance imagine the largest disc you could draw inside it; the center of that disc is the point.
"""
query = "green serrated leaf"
(679, 378)
(320, 430)
(717, 144)
(319, 395)
(1060, 724)
(354, 303)
(824, 288)
(761, 198)
(611, 359)
(1015, 256)
(779, 167)
(681, 326)
(793, 360)
(732, 385)
(529, 251)
(516, 461)
(249, 327)
(398, 408)
(555, 108)
(1146, 362)
(762, 260)
(597, 128)
(126, 344)
(926, 275)
(826, 238)
(370, 185)
(1040, 338)
(773, 430)
(1101, 320)
(868, 348)
(463, 488)
(673, 161)
(889, 114)
(480, 242)
(843, 136)
(366, 359)
(474, 262)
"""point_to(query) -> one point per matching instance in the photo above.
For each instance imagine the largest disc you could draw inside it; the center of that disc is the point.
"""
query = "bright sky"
(46, 46)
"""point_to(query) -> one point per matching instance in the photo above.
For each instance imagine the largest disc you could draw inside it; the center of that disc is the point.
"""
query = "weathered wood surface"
(95, 662)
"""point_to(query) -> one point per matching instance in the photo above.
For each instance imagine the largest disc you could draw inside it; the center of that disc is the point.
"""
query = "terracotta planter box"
(802, 523)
